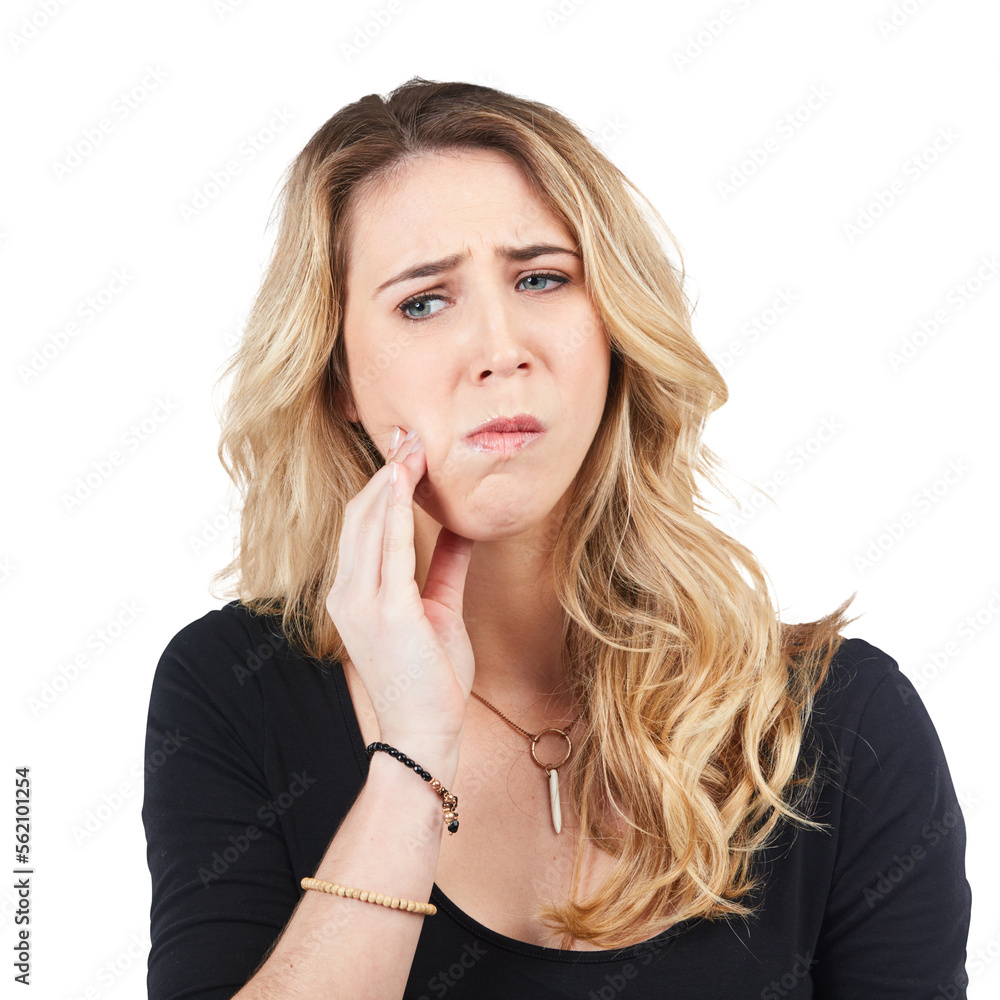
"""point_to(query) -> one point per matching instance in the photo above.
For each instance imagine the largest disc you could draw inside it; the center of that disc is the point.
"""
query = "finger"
(405, 447)
(370, 551)
(358, 513)
(361, 539)
(366, 577)
(398, 552)
(449, 567)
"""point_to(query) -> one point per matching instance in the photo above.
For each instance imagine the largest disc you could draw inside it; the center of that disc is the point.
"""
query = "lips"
(522, 422)
(505, 435)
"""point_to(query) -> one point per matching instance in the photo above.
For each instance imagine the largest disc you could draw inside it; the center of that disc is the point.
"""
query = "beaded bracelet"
(449, 800)
(366, 896)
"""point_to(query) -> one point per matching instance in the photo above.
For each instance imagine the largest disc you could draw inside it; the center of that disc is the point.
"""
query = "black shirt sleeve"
(897, 915)
(223, 887)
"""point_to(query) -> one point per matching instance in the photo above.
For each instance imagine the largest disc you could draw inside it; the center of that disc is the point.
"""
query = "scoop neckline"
(443, 902)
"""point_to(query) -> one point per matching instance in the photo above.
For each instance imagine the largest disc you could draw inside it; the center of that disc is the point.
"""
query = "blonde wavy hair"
(697, 697)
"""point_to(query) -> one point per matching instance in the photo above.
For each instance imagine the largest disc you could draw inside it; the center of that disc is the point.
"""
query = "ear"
(347, 407)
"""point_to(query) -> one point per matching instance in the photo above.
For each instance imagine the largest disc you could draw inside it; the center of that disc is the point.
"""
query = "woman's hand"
(411, 650)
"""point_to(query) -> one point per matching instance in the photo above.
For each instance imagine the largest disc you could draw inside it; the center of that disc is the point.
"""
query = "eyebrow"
(432, 267)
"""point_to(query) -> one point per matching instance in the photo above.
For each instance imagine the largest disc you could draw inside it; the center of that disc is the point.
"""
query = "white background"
(207, 79)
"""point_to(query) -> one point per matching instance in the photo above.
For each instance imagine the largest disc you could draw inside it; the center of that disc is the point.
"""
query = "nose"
(500, 348)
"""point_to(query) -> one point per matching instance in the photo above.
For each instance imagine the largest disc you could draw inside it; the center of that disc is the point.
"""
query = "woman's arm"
(212, 922)
(224, 885)
(340, 947)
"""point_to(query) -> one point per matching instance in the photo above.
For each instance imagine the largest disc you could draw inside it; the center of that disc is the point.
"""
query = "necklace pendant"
(554, 800)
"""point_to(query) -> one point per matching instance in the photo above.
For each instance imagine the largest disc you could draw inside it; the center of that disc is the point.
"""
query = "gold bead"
(435, 784)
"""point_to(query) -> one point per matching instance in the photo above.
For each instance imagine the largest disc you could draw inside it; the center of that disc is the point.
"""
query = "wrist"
(435, 754)
(437, 785)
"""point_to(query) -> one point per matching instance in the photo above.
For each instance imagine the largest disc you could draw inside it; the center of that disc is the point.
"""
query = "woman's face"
(498, 323)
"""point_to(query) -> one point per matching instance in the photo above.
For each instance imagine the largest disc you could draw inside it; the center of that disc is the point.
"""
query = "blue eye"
(560, 279)
(418, 300)
(427, 297)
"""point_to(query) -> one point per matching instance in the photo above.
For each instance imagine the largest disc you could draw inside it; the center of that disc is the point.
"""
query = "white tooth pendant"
(551, 768)
(554, 800)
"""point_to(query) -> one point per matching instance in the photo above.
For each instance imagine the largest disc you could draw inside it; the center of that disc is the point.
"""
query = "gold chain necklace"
(552, 770)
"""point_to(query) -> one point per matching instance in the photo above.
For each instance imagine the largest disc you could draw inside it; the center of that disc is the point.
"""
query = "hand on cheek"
(407, 449)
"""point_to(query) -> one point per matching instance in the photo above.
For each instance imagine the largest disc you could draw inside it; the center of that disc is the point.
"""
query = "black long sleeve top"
(254, 756)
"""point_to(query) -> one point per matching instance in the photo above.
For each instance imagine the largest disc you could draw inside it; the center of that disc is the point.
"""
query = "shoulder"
(233, 628)
(856, 670)
(226, 643)
(207, 672)
(862, 678)
(874, 727)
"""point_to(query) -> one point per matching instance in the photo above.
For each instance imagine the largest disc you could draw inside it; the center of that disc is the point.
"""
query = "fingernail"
(395, 438)
(417, 445)
(410, 434)
(393, 471)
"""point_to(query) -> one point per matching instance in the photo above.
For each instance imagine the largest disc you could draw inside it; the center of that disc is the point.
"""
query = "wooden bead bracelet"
(366, 896)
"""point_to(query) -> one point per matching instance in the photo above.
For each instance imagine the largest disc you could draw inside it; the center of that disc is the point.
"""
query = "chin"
(485, 519)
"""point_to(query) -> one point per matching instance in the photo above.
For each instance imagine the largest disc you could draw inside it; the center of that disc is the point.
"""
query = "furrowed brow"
(431, 268)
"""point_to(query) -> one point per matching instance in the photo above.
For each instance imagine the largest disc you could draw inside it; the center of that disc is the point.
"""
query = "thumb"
(445, 583)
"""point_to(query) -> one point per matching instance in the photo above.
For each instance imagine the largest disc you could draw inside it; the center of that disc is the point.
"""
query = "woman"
(486, 642)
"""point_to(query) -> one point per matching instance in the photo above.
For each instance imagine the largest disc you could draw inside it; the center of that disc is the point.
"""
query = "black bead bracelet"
(449, 800)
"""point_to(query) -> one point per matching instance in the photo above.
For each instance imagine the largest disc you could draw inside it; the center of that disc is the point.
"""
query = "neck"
(513, 619)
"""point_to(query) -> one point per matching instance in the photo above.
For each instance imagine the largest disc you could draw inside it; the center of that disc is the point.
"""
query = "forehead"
(436, 203)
